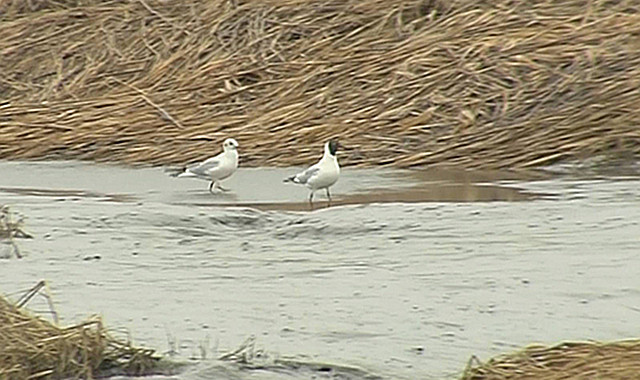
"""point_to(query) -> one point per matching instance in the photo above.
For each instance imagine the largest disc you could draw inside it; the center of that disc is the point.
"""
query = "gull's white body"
(218, 168)
(320, 176)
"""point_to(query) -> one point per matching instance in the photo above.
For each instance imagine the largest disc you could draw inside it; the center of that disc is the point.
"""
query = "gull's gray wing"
(204, 168)
(306, 175)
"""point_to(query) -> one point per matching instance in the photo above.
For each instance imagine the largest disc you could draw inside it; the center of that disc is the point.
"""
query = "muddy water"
(405, 277)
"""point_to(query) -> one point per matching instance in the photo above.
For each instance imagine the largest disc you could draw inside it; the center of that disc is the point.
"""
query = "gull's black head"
(333, 146)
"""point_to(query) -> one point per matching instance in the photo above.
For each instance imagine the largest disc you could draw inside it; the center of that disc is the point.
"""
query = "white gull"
(216, 169)
(321, 175)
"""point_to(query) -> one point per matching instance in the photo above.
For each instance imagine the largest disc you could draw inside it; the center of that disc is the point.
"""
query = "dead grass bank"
(490, 84)
(33, 348)
(567, 361)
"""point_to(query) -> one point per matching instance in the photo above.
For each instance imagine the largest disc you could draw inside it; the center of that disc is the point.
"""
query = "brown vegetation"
(10, 229)
(566, 361)
(472, 83)
(33, 348)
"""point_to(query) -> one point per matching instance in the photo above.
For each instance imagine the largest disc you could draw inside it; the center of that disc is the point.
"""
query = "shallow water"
(406, 276)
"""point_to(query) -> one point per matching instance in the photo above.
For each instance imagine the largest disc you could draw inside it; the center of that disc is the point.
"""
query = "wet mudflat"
(406, 276)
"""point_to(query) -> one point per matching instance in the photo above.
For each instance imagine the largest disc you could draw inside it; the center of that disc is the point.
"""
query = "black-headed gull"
(217, 168)
(321, 175)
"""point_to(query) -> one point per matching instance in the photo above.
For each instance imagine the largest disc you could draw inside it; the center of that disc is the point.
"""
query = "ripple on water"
(406, 290)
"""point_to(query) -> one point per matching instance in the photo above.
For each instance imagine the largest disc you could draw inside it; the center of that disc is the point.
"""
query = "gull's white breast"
(326, 176)
(228, 166)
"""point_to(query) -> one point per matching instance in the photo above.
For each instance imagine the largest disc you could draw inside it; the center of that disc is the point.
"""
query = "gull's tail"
(290, 179)
(175, 172)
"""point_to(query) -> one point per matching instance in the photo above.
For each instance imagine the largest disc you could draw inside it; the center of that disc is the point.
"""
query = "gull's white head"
(229, 144)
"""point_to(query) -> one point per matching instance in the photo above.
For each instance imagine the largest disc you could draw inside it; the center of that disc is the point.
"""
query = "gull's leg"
(211, 185)
(329, 196)
(311, 200)
(222, 188)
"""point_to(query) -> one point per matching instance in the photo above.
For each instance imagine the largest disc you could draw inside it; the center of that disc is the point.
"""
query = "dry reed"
(11, 228)
(567, 361)
(33, 348)
(490, 84)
